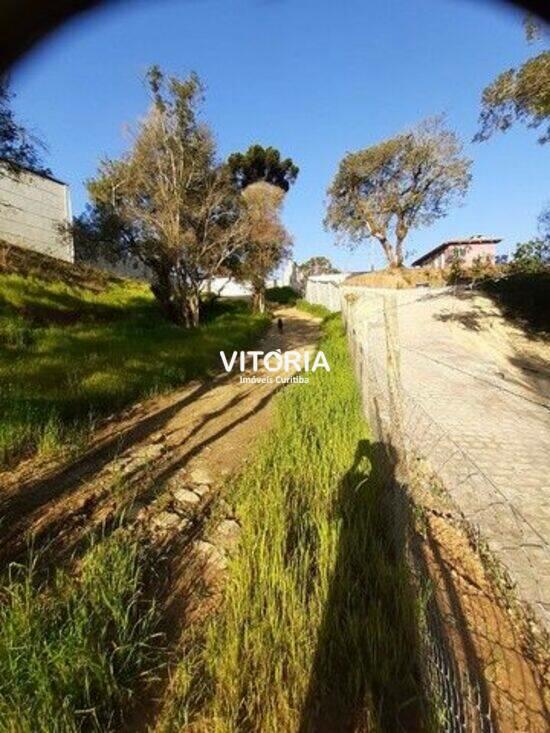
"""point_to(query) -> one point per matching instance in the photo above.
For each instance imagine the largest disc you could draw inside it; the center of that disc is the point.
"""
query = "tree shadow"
(472, 320)
(366, 669)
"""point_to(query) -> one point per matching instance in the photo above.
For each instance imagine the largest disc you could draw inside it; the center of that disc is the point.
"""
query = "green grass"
(320, 621)
(284, 295)
(71, 652)
(69, 355)
(314, 310)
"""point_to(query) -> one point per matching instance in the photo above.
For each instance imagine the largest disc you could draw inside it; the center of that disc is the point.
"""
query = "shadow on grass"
(366, 669)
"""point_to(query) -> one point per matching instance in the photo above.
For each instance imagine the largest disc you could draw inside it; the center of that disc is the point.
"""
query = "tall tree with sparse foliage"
(267, 242)
(519, 94)
(18, 147)
(411, 180)
(262, 164)
(168, 201)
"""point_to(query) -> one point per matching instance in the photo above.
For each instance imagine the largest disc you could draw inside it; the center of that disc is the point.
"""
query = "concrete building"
(33, 207)
(469, 250)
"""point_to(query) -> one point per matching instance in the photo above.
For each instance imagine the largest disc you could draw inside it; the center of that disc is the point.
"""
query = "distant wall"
(128, 267)
(31, 209)
(226, 287)
(325, 290)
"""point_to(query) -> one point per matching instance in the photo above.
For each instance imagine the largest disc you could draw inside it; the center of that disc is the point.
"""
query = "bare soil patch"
(492, 637)
(134, 457)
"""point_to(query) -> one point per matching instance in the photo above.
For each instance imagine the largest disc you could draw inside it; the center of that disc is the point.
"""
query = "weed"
(320, 621)
(315, 310)
(71, 651)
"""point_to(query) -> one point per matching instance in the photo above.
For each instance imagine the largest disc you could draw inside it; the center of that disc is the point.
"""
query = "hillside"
(77, 344)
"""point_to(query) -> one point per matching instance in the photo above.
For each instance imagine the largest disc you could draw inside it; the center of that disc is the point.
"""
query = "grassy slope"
(69, 354)
(318, 629)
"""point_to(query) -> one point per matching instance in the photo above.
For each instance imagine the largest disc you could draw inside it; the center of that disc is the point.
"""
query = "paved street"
(474, 405)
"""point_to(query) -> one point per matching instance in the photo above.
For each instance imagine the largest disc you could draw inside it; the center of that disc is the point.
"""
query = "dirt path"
(203, 428)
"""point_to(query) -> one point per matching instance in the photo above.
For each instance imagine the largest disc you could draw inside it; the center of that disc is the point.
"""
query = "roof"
(40, 174)
(476, 239)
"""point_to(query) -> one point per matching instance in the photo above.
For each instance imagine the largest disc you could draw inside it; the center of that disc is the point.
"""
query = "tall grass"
(71, 652)
(69, 355)
(314, 310)
(319, 625)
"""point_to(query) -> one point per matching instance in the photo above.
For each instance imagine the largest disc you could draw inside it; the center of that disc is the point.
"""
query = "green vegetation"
(70, 354)
(71, 654)
(282, 295)
(533, 256)
(262, 164)
(319, 625)
(383, 191)
(523, 296)
(519, 94)
(315, 310)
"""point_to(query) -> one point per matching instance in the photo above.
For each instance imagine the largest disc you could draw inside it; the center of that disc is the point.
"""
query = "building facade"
(34, 210)
(470, 251)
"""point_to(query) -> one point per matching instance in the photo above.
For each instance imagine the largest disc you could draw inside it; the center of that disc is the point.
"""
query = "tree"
(18, 148)
(100, 232)
(544, 223)
(384, 191)
(267, 241)
(521, 94)
(317, 266)
(168, 201)
(532, 256)
(262, 164)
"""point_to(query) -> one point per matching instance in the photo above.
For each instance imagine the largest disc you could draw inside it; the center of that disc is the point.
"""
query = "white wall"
(325, 290)
(31, 209)
(226, 287)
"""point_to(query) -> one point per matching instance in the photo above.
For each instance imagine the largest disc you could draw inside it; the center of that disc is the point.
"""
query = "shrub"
(524, 296)
(532, 256)
(282, 295)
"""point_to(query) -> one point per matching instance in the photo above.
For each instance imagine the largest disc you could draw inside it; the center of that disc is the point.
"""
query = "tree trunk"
(162, 290)
(393, 254)
(180, 304)
(258, 300)
(399, 253)
(190, 308)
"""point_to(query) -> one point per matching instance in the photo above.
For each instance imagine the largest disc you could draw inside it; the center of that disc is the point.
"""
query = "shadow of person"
(365, 671)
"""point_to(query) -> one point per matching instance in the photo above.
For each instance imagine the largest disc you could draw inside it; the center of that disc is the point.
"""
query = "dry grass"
(400, 278)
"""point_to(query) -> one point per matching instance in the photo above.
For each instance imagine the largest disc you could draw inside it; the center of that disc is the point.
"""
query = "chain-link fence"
(373, 332)
(428, 399)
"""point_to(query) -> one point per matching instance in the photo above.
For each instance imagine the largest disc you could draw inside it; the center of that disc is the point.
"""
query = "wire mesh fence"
(400, 422)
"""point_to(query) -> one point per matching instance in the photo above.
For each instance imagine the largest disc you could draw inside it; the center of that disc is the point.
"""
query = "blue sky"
(315, 78)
